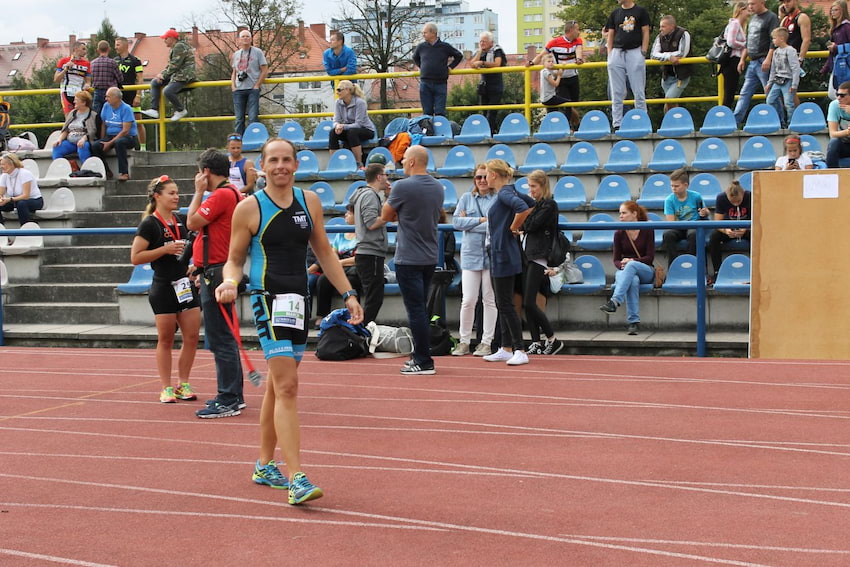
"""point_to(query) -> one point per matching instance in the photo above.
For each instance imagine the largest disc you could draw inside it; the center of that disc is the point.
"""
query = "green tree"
(36, 109)
(106, 33)
(466, 94)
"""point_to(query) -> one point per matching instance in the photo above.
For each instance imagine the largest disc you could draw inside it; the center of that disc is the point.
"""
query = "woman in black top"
(538, 234)
(160, 241)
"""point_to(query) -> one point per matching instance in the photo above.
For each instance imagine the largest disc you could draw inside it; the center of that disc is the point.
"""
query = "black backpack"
(442, 341)
(341, 343)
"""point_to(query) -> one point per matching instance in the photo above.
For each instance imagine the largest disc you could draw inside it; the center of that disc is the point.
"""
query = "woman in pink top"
(736, 37)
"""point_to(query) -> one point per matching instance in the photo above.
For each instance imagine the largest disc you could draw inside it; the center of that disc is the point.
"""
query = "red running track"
(567, 461)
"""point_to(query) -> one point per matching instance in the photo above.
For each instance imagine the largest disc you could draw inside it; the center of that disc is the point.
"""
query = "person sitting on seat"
(352, 125)
(79, 130)
(682, 205)
(18, 189)
(733, 204)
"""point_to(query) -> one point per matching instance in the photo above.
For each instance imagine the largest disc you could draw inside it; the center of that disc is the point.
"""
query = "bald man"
(415, 204)
(117, 130)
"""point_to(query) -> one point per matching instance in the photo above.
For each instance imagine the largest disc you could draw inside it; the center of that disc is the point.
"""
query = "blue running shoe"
(301, 490)
(269, 475)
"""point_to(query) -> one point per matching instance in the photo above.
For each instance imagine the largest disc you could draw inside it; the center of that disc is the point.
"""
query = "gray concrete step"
(61, 313)
(107, 219)
(60, 292)
(135, 202)
(175, 171)
(86, 273)
(103, 254)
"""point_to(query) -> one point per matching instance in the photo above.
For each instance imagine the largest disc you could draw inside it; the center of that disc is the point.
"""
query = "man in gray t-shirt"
(415, 203)
(250, 69)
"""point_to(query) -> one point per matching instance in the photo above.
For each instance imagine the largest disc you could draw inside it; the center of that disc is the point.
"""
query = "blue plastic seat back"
(593, 125)
(810, 143)
(388, 156)
(340, 208)
(669, 155)
(682, 275)
(308, 165)
(396, 125)
(475, 129)
(553, 127)
(503, 152)
(677, 123)
(292, 131)
(514, 128)
(449, 195)
(140, 280)
(340, 165)
(655, 190)
(582, 158)
(255, 136)
(707, 185)
(598, 239)
(442, 132)
(807, 118)
(734, 277)
(568, 233)
(659, 233)
(521, 185)
(624, 156)
(746, 180)
(459, 161)
(539, 156)
(712, 153)
(432, 164)
(326, 195)
(635, 124)
(569, 193)
(757, 153)
(612, 191)
(762, 119)
(594, 276)
(719, 121)
(321, 135)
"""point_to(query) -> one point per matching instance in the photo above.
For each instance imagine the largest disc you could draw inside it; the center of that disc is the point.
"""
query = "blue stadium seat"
(568, 233)
(514, 128)
(569, 193)
(598, 239)
(432, 165)
(582, 158)
(503, 152)
(320, 137)
(308, 165)
(807, 118)
(449, 195)
(636, 124)
(655, 190)
(553, 127)
(707, 185)
(810, 143)
(521, 185)
(593, 125)
(326, 195)
(669, 155)
(340, 165)
(140, 280)
(442, 132)
(677, 123)
(594, 275)
(719, 121)
(475, 130)
(388, 155)
(292, 131)
(712, 154)
(612, 191)
(757, 153)
(255, 136)
(624, 156)
(659, 233)
(539, 156)
(459, 162)
(682, 276)
(734, 276)
(340, 207)
(762, 119)
(746, 180)
(396, 125)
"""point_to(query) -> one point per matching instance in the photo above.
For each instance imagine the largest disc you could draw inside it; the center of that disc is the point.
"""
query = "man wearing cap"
(179, 72)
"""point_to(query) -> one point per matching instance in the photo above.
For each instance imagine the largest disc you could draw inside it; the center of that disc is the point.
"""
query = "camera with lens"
(241, 76)
(186, 256)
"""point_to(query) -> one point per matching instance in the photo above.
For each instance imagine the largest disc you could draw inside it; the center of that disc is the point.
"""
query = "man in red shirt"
(566, 49)
(73, 73)
(211, 218)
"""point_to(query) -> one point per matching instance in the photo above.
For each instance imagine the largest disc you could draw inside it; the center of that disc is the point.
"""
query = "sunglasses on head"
(236, 137)
(163, 179)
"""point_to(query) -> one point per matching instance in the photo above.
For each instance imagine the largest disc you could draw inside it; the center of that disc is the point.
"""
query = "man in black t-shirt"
(132, 70)
(627, 31)
(490, 88)
(736, 203)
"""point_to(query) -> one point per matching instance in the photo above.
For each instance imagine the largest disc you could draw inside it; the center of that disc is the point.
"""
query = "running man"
(274, 226)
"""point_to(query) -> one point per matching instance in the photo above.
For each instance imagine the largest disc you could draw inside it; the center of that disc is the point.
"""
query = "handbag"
(560, 249)
(720, 52)
(660, 272)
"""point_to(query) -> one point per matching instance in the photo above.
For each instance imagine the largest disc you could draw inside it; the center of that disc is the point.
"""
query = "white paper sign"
(820, 186)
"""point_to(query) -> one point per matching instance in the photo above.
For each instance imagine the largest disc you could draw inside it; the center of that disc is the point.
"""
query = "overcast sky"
(56, 19)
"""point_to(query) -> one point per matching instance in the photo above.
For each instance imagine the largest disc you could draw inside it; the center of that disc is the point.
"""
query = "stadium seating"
(655, 190)
(624, 157)
(60, 204)
(539, 156)
(321, 136)
(682, 276)
(659, 233)
(521, 185)
(340, 165)
(719, 121)
(810, 143)
(503, 152)
(594, 276)
(757, 153)
(582, 158)
(92, 163)
(712, 154)
(326, 195)
(475, 130)
(597, 239)
(734, 277)
(707, 185)
(569, 193)
(762, 119)
(388, 156)
(442, 132)
(459, 162)
(807, 119)
(292, 131)
(140, 280)
(669, 155)
(308, 165)
(340, 207)
(514, 128)
(554, 127)
(636, 124)
(449, 195)
(22, 244)
(255, 136)
(612, 191)
(57, 174)
(32, 166)
(677, 123)
(593, 125)
(746, 180)
(396, 125)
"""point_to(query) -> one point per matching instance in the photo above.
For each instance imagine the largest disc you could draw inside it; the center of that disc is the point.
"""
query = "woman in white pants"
(470, 216)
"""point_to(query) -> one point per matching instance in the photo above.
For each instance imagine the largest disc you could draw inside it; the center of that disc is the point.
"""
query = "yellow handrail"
(526, 106)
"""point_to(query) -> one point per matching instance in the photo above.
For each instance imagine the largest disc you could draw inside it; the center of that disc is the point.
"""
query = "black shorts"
(569, 88)
(163, 298)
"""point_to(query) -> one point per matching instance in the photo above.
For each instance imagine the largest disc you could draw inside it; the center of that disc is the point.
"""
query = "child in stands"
(794, 157)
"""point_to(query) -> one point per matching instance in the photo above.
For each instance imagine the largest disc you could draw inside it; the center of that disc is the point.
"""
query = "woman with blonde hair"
(505, 218)
(352, 125)
(160, 241)
(538, 235)
(735, 35)
(18, 189)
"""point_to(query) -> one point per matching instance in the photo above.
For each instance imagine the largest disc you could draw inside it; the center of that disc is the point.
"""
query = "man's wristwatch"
(349, 293)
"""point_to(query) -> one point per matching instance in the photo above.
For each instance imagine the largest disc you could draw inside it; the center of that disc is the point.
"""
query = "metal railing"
(526, 106)
(700, 226)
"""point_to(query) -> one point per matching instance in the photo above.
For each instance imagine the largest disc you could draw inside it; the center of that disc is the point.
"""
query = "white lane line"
(426, 523)
(52, 558)
(711, 544)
